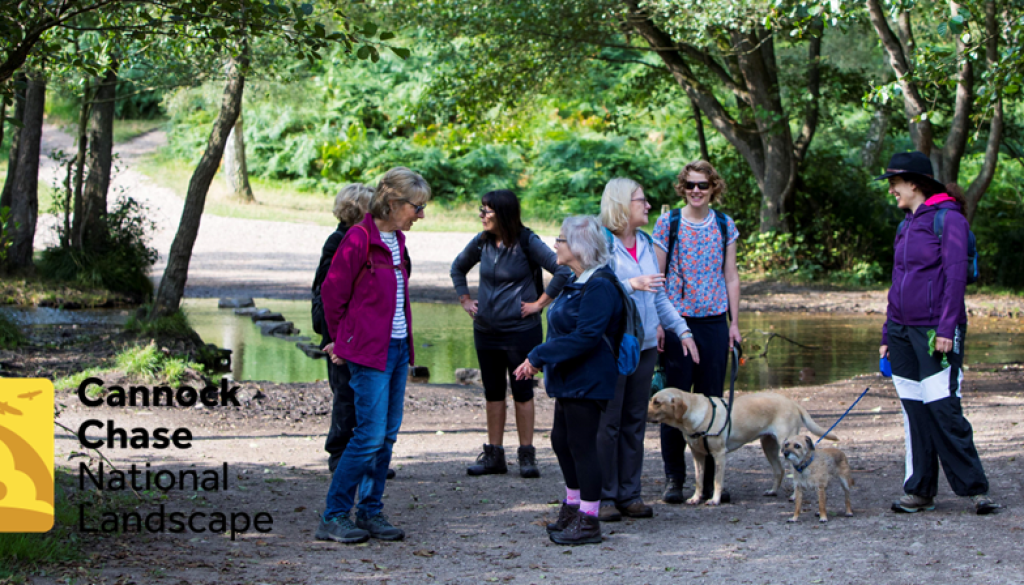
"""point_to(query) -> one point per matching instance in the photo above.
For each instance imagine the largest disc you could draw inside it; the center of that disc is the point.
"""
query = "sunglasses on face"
(485, 212)
(703, 186)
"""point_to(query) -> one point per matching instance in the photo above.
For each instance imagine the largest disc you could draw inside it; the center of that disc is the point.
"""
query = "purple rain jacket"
(359, 296)
(929, 274)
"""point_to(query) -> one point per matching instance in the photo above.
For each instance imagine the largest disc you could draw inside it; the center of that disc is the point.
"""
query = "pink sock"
(572, 497)
(590, 508)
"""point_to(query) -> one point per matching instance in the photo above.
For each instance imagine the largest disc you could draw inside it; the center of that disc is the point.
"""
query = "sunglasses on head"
(703, 185)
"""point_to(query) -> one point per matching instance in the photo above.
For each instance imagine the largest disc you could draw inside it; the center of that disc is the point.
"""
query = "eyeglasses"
(419, 208)
(484, 212)
(642, 199)
(560, 240)
(703, 185)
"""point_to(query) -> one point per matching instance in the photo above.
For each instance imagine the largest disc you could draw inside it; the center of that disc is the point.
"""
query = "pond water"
(840, 346)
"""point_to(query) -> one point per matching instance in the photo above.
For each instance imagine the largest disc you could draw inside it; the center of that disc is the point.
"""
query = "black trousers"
(343, 413)
(574, 440)
(711, 334)
(620, 438)
(935, 429)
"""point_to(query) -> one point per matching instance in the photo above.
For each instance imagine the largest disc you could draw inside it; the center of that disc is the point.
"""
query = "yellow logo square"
(26, 455)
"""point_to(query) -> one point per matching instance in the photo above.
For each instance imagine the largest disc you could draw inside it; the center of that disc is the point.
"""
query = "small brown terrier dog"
(815, 468)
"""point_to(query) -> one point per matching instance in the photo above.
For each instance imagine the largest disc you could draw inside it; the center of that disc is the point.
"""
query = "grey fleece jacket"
(506, 281)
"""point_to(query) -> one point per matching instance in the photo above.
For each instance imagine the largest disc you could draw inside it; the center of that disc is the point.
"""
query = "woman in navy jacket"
(580, 372)
(924, 336)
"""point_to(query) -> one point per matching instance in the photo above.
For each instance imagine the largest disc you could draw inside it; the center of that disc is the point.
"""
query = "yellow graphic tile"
(26, 455)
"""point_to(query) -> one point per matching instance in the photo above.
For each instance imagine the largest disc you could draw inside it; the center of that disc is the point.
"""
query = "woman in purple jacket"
(366, 308)
(923, 336)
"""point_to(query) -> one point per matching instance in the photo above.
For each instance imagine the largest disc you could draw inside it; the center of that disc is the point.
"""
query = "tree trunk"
(83, 139)
(172, 285)
(700, 132)
(24, 193)
(235, 171)
(875, 139)
(12, 159)
(101, 147)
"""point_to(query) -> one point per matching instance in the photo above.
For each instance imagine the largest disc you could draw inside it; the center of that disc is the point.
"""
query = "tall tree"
(236, 173)
(100, 158)
(919, 72)
(24, 189)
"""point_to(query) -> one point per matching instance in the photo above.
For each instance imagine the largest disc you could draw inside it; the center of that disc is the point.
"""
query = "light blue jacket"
(654, 308)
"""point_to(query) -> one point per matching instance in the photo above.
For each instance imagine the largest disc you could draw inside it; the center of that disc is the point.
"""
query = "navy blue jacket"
(577, 361)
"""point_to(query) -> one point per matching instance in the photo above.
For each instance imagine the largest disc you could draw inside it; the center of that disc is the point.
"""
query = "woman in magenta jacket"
(366, 307)
(924, 333)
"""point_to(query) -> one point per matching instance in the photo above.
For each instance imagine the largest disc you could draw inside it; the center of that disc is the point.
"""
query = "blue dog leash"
(844, 415)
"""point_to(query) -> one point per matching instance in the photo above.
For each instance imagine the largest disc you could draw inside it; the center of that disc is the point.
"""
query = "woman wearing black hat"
(924, 336)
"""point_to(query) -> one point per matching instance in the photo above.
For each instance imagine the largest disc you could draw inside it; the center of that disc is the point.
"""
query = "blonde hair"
(718, 186)
(615, 202)
(352, 203)
(398, 184)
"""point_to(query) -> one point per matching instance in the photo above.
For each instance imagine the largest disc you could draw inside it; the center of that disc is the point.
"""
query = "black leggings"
(343, 413)
(574, 439)
(711, 334)
(497, 367)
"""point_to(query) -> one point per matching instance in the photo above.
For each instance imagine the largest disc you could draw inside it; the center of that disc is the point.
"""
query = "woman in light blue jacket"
(620, 441)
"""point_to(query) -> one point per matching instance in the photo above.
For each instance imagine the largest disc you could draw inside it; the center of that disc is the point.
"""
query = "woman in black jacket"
(506, 320)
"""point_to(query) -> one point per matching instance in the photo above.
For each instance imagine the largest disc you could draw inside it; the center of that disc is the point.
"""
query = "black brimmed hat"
(911, 163)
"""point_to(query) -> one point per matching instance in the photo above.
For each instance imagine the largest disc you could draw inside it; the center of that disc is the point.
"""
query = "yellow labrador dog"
(763, 415)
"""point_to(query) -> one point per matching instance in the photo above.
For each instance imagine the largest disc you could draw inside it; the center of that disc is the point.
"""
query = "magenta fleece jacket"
(359, 296)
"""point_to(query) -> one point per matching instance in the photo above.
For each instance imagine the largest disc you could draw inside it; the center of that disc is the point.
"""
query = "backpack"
(673, 231)
(631, 339)
(609, 239)
(316, 310)
(524, 245)
(938, 223)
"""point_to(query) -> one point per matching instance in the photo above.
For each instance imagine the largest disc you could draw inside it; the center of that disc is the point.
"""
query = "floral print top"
(696, 263)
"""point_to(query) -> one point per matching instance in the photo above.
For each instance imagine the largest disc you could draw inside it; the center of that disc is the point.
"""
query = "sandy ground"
(490, 529)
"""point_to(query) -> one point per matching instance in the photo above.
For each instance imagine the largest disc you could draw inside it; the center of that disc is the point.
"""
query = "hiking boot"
(637, 509)
(582, 529)
(379, 528)
(609, 513)
(910, 503)
(673, 491)
(528, 461)
(341, 529)
(565, 515)
(491, 461)
(391, 474)
(984, 505)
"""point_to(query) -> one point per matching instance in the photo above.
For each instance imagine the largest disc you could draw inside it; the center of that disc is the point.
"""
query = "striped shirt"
(399, 329)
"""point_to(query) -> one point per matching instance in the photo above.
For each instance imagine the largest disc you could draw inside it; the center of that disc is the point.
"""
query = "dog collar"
(800, 468)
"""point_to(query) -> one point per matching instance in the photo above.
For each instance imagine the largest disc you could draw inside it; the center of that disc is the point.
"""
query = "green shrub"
(175, 325)
(10, 335)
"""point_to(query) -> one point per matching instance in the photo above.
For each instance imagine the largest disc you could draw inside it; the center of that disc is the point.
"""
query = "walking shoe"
(910, 503)
(341, 529)
(391, 474)
(984, 505)
(379, 527)
(673, 491)
(565, 515)
(582, 529)
(609, 513)
(528, 461)
(491, 461)
(637, 509)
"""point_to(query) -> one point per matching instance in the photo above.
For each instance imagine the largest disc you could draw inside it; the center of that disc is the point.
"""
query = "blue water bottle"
(885, 367)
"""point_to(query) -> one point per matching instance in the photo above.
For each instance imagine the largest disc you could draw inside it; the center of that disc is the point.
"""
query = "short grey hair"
(586, 240)
(352, 203)
(399, 184)
(615, 211)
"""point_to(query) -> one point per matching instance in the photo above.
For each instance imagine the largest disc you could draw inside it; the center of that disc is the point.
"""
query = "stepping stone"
(266, 315)
(248, 311)
(420, 373)
(467, 376)
(235, 303)
(277, 328)
(311, 350)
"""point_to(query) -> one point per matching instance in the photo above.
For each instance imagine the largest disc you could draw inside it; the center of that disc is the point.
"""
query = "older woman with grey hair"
(580, 372)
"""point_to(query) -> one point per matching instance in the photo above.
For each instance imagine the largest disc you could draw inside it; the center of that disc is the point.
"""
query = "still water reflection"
(843, 345)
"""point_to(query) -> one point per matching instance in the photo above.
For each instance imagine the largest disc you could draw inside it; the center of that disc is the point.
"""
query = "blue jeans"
(379, 397)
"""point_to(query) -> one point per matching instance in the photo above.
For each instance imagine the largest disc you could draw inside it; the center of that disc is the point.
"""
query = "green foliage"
(146, 363)
(175, 325)
(10, 336)
(118, 261)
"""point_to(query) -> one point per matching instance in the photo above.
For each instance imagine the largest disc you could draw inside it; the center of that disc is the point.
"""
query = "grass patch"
(279, 200)
(175, 325)
(10, 335)
(22, 553)
(146, 363)
(44, 292)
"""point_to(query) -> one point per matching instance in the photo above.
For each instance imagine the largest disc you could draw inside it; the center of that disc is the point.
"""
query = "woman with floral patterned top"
(704, 286)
